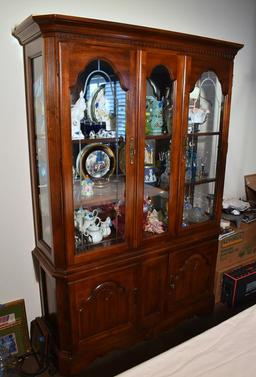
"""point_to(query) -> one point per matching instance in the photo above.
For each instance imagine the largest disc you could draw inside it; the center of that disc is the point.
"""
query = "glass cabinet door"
(201, 149)
(157, 151)
(98, 126)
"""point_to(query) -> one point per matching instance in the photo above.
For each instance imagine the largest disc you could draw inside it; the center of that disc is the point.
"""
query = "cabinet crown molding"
(115, 32)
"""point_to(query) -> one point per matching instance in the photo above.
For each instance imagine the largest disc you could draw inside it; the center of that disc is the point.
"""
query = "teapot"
(93, 231)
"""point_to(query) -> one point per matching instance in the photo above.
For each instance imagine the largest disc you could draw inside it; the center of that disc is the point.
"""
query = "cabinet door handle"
(171, 282)
(132, 150)
(135, 292)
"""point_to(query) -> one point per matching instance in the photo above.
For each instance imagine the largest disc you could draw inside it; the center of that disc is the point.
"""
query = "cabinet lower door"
(191, 277)
(154, 277)
(103, 308)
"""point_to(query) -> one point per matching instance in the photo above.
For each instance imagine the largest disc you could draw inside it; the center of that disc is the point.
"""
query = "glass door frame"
(195, 67)
(147, 61)
(74, 57)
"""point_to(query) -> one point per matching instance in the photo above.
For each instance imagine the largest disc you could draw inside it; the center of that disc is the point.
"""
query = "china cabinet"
(128, 130)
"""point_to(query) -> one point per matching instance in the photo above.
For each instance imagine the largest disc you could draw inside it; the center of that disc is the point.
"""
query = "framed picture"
(13, 327)
(12, 311)
(14, 338)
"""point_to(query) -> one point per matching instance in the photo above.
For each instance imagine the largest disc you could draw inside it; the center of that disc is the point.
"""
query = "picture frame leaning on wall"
(13, 328)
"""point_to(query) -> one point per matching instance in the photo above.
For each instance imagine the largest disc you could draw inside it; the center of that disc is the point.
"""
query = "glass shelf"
(200, 181)
(200, 134)
(96, 140)
(157, 137)
(112, 192)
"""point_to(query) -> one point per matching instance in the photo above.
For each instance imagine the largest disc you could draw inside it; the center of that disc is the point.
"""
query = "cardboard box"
(237, 250)
(238, 247)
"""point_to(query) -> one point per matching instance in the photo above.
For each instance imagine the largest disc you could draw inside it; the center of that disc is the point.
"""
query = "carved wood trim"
(175, 277)
(108, 288)
(227, 52)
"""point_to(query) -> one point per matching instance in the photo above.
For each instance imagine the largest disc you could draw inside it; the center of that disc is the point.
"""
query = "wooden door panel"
(80, 55)
(154, 277)
(102, 304)
(191, 275)
(221, 67)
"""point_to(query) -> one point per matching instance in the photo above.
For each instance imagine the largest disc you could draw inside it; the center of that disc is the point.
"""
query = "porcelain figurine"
(87, 187)
(197, 116)
(84, 218)
(79, 218)
(90, 219)
(153, 224)
(77, 114)
(92, 134)
(105, 227)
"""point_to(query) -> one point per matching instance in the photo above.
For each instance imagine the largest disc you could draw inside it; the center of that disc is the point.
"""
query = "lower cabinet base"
(72, 363)
(113, 307)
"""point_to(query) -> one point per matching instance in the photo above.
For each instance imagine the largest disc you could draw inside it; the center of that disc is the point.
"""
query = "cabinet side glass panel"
(201, 152)
(157, 151)
(41, 150)
(98, 126)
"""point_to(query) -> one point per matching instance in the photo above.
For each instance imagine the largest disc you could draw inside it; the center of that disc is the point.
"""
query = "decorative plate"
(96, 161)
(100, 106)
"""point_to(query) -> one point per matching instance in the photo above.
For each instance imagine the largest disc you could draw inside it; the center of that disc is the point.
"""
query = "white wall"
(233, 20)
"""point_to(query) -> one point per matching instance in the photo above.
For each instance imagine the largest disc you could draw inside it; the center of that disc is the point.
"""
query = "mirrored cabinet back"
(128, 130)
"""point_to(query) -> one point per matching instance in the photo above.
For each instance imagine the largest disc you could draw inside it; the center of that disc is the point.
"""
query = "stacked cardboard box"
(235, 251)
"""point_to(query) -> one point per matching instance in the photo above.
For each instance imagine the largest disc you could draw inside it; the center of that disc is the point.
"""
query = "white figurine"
(105, 227)
(77, 114)
(87, 187)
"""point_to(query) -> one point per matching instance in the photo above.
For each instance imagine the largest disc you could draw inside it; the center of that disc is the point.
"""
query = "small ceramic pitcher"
(93, 232)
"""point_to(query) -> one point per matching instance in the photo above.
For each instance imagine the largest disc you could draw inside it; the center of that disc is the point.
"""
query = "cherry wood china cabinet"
(128, 130)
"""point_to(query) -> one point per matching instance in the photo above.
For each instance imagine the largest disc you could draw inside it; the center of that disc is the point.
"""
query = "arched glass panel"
(98, 124)
(157, 149)
(202, 140)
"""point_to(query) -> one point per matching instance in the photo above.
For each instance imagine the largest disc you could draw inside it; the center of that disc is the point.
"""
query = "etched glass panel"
(41, 150)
